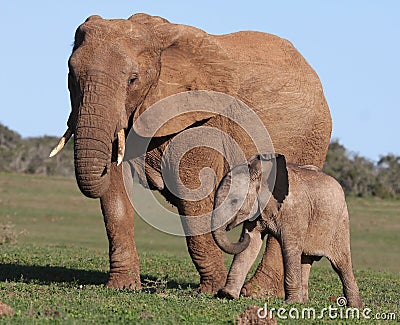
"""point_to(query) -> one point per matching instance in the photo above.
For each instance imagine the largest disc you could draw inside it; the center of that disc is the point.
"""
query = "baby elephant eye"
(234, 201)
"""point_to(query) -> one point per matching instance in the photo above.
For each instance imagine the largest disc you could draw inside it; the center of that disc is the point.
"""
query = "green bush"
(362, 177)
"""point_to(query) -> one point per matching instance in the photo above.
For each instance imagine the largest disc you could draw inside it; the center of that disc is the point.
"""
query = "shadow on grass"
(58, 274)
(49, 274)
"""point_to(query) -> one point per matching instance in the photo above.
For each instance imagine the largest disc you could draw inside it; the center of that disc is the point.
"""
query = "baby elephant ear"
(274, 175)
(281, 188)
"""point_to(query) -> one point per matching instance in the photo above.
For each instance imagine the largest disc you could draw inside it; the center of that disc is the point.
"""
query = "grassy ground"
(54, 270)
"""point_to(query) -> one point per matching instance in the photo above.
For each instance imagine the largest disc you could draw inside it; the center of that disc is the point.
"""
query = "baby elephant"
(301, 206)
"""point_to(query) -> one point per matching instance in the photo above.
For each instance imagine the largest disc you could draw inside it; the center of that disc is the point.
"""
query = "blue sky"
(353, 46)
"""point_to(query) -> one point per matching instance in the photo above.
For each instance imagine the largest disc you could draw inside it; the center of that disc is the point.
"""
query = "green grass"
(55, 270)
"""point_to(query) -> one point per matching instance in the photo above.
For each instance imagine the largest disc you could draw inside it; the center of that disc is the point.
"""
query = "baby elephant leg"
(293, 282)
(340, 258)
(306, 262)
(241, 265)
(267, 280)
(343, 267)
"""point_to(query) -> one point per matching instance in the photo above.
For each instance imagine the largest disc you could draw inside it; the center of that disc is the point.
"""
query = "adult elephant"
(119, 68)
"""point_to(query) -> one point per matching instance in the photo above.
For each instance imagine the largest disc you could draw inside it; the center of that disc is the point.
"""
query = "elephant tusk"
(121, 146)
(64, 139)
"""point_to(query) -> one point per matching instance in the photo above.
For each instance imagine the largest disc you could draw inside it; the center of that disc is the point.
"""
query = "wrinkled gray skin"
(307, 213)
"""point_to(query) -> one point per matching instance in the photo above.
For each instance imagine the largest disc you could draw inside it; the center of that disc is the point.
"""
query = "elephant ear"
(273, 177)
(190, 59)
(281, 187)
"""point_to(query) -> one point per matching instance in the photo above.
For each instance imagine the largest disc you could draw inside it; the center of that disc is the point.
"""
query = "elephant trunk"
(226, 245)
(97, 128)
(93, 149)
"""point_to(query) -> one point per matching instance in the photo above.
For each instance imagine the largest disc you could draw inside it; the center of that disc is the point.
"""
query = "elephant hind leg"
(209, 262)
(343, 267)
(306, 263)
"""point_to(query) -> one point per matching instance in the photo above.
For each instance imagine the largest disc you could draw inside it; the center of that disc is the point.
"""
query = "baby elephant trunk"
(226, 245)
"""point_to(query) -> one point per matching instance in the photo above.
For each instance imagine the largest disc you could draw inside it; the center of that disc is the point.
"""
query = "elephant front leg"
(241, 265)
(118, 215)
(267, 281)
(293, 280)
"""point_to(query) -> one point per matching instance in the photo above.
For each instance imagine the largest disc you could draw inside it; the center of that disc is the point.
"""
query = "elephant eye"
(132, 80)
(234, 201)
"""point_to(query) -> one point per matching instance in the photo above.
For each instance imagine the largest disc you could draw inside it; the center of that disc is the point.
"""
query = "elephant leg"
(306, 263)
(343, 267)
(207, 257)
(118, 215)
(293, 280)
(241, 265)
(267, 281)
(209, 262)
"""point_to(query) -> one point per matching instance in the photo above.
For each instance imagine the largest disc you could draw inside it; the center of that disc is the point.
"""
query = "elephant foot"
(212, 285)
(227, 293)
(256, 287)
(355, 301)
(124, 281)
(293, 299)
